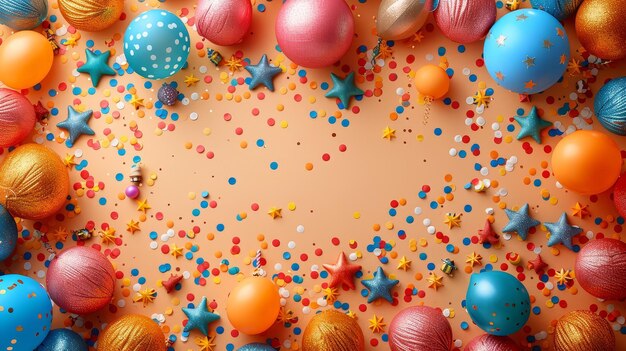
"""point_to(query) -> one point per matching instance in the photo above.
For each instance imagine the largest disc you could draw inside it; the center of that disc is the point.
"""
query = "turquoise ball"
(610, 106)
(23, 14)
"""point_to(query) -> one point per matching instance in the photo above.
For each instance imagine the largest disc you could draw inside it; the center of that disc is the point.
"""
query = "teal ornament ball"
(256, 346)
(8, 234)
(156, 44)
(25, 313)
(610, 106)
(497, 302)
(561, 9)
(63, 340)
(23, 14)
(526, 51)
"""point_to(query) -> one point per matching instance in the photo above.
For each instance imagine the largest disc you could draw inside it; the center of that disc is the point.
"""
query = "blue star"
(76, 124)
(380, 286)
(97, 66)
(262, 73)
(200, 318)
(344, 89)
(519, 222)
(532, 125)
(562, 233)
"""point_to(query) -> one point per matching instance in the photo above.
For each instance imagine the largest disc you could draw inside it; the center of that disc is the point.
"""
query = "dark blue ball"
(63, 340)
(8, 234)
(256, 347)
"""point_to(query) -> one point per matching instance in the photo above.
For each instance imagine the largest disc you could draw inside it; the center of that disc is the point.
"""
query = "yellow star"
(107, 236)
(513, 5)
(143, 205)
(132, 226)
(234, 64)
(418, 37)
(474, 259)
(481, 98)
(205, 343)
(404, 263)
(580, 210)
(136, 102)
(562, 276)
(389, 133)
(331, 294)
(434, 281)
(176, 251)
(275, 213)
(60, 234)
(351, 314)
(453, 220)
(68, 161)
(191, 80)
(377, 325)
(573, 66)
(146, 296)
(71, 41)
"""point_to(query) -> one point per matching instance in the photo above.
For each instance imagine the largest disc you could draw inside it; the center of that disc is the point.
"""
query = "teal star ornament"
(380, 286)
(532, 125)
(200, 317)
(519, 222)
(76, 124)
(562, 232)
(344, 89)
(262, 73)
(97, 65)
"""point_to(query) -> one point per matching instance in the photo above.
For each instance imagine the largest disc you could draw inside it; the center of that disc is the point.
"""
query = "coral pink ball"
(224, 22)
(420, 328)
(81, 280)
(17, 117)
(132, 191)
(601, 268)
(488, 342)
(315, 33)
(465, 21)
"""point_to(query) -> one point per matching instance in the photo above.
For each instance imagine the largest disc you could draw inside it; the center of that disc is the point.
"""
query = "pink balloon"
(465, 21)
(315, 33)
(224, 22)
(488, 342)
(17, 117)
(420, 328)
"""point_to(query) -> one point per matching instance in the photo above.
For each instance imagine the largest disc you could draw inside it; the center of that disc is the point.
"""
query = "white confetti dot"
(352, 256)
(431, 230)
(300, 228)
(417, 210)
(154, 245)
(193, 116)
(291, 245)
(452, 152)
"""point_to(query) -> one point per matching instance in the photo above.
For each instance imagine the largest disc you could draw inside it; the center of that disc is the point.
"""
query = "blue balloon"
(63, 340)
(8, 234)
(526, 51)
(610, 106)
(23, 14)
(256, 347)
(497, 302)
(561, 9)
(156, 44)
(25, 313)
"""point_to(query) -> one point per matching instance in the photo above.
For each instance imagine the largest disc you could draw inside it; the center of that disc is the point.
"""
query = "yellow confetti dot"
(291, 206)
(493, 258)
(284, 124)
(389, 225)
(356, 215)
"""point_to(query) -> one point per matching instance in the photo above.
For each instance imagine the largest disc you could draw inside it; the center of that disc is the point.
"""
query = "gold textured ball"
(332, 331)
(34, 183)
(91, 15)
(130, 333)
(583, 331)
(601, 28)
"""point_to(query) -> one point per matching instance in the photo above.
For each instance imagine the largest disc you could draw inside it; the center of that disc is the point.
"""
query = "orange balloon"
(253, 305)
(587, 162)
(25, 59)
(432, 81)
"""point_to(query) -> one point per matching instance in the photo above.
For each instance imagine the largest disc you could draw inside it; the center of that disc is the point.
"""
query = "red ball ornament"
(81, 280)
(420, 328)
(17, 117)
(619, 195)
(224, 22)
(487, 342)
(601, 268)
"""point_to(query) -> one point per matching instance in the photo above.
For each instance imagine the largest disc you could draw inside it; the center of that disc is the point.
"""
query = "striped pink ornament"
(17, 117)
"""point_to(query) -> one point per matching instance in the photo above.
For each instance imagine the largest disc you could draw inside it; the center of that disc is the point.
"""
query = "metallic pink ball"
(224, 22)
(420, 328)
(81, 280)
(17, 117)
(465, 21)
(132, 191)
(315, 33)
(488, 342)
(601, 268)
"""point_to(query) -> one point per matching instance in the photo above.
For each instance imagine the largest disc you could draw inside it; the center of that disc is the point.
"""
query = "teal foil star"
(380, 286)
(200, 317)
(519, 222)
(97, 66)
(76, 124)
(262, 73)
(532, 125)
(344, 89)
(562, 233)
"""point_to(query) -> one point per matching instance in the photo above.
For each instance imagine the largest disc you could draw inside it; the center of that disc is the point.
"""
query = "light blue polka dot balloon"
(526, 51)
(156, 44)
(25, 313)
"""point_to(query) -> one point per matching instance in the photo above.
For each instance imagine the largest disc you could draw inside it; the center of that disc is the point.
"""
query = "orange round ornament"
(432, 81)
(253, 305)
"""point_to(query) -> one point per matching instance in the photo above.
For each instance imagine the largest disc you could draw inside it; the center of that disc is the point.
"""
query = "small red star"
(487, 234)
(537, 264)
(40, 111)
(342, 272)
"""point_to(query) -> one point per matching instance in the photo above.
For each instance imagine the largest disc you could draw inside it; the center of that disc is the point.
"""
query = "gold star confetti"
(580, 210)
(234, 64)
(418, 37)
(275, 212)
(176, 251)
(389, 133)
(136, 102)
(205, 343)
(481, 98)
(331, 294)
(513, 5)
(453, 220)
(385, 51)
(132, 226)
(474, 259)
(143, 206)
(351, 314)
(285, 315)
(60, 234)
(71, 41)
(191, 80)
(562, 276)
(434, 281)
(107, 236)
(404, 264)
(146, 296)
(573, 67)
(68, 161)
(377, 324)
